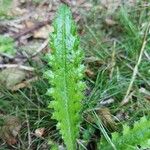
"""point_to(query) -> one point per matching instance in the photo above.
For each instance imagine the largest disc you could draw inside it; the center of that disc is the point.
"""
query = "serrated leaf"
(67, 72)
(131, 137)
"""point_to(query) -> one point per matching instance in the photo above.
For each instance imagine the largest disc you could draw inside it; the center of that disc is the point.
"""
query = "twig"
(113, 61)
(139, 74)
(135, 71)
(17, 66)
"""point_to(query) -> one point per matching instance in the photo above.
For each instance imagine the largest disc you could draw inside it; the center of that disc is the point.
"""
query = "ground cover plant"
(111, 39)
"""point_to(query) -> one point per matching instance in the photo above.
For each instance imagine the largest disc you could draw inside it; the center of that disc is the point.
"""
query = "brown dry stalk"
(135, 71)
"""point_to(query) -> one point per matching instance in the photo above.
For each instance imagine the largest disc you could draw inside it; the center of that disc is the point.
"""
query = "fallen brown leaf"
(10, 129)
(43, 32)
(24, 84)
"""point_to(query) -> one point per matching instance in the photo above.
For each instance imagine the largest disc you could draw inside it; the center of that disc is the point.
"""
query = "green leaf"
(131, 137)
(66, 76)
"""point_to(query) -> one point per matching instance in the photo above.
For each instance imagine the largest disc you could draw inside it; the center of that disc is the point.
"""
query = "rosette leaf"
(66, 76)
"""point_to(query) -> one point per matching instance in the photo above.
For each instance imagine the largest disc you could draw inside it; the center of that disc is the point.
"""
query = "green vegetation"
(130, 139)
(7, 45)
(103, 115)
(5, 6)
(66, 76)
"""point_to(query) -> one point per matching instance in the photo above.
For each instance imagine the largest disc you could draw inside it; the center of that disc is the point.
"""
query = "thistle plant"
(65, 76)
(130, 138)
